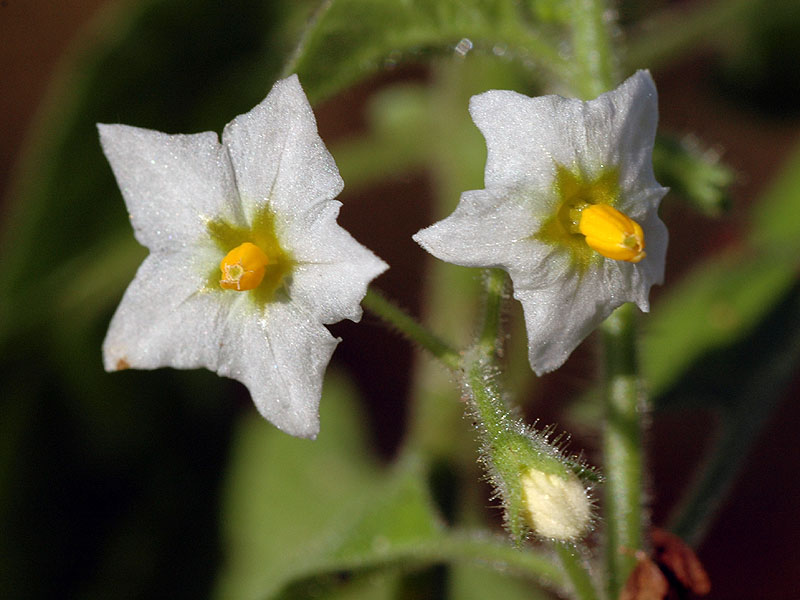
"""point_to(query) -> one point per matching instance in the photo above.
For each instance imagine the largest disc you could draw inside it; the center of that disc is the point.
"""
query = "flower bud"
(557, 506)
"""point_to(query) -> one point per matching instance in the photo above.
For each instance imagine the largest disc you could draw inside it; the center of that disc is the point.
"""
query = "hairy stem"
(622, 445)
(377, 304)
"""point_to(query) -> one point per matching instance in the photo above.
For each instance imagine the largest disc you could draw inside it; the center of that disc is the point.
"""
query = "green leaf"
(681, 28)
(776, 218)
(350, 39)
(723, 299)
(284, 494)
(476, 582)
(727, 295)
(746, 383)
(297, 512)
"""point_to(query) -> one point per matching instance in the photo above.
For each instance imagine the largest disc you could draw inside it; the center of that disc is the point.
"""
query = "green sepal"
(694, 173)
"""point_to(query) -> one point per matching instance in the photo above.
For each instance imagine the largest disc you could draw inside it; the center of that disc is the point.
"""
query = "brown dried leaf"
(646, 581)
(673, 554)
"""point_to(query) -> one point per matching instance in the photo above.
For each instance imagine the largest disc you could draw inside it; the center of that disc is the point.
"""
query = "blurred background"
(113, 486)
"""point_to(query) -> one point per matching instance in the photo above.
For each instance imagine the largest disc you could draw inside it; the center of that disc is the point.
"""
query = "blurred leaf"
(718, 303)
(131, 68)
(350, 39)
(384, 584)
(745, 381)
(678, 30)
(283, 494)
(297, 509)
(728, 294)
(475, 582)
(297, 513)
(776, 217)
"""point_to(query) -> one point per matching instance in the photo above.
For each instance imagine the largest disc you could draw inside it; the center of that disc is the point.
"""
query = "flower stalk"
(592, 47)
(540, 486)
(376, 303)
(576, 571)
(622, 445)
(623, 394)
(490, 334)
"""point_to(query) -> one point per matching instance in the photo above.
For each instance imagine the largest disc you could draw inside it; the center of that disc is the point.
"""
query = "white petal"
(281, 357)
(171, 183)
(620, 131)
(333, 269)
(559, 316)
(489, 228)
(562, 307)
(650, 270)
(166, 318)
(278, 156)
(526, 137)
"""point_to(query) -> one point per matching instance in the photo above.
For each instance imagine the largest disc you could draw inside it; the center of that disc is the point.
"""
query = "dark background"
(750, 551)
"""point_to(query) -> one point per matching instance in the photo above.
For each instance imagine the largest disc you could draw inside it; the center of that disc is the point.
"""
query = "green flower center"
(574, 193)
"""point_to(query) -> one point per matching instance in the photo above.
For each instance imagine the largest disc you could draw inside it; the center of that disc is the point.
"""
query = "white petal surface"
(526, 137)
(281, 357)
(278, 156)
(333, 269)
(280, 354)
(165, 319)
(171, 183)
(489, 228)
(621, 127)
(559, 316)
(173, 313)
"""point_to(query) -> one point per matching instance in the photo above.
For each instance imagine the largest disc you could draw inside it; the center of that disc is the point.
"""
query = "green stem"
(575, 568)
(592, 48)
(490, 334)
(480, 367)
(376, 303)
(496, 420)
(624, 400)
(622, 446)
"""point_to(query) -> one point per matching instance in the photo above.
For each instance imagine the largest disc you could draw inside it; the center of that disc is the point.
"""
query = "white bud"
(557, 506)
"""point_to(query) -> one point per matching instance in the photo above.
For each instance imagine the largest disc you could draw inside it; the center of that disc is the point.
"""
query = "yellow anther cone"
(243, 267)
(612, 233)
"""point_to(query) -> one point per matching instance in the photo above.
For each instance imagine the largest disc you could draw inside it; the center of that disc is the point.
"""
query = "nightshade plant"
(545, 234)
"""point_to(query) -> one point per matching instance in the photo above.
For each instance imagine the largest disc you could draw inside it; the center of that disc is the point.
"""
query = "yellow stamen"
(612, 233)
(243, 267)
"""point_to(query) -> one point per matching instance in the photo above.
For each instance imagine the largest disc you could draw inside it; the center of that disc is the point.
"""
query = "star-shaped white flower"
(569, 210)
(246, 259)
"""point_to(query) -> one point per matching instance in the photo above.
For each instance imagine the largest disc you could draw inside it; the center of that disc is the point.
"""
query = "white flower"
(246, 259)
(569, 204)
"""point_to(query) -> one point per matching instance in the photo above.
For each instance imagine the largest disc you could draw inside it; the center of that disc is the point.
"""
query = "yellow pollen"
(612, 233)
(243, 267)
